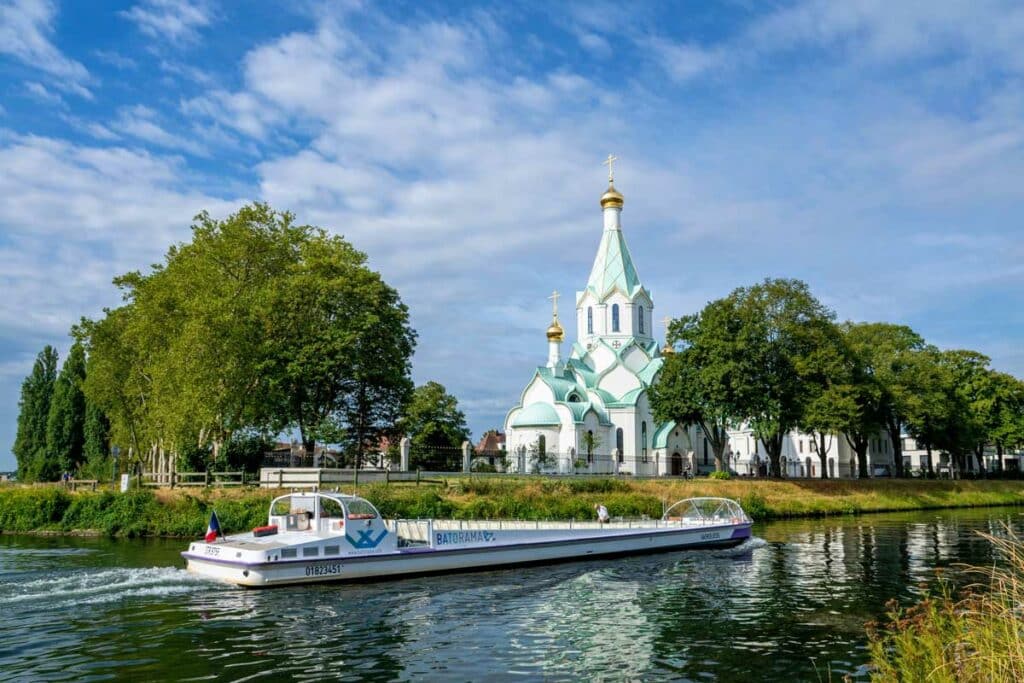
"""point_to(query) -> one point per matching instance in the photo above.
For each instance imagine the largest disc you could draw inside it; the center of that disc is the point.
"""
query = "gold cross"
(608, 162)
(665, 321)
(554, 302)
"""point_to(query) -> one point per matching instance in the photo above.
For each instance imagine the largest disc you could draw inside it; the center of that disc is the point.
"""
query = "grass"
(184, 512)
(978, 636)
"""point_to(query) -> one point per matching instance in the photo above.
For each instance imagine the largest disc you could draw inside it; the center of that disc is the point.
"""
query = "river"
(789, 605)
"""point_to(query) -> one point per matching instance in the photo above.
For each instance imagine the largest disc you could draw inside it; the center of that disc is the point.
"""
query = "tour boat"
(315, 537)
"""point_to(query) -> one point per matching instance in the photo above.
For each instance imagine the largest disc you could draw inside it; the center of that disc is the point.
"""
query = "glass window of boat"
(310, 552)
(329, 507)
(281, 506)
(332, 549)
(288, 552)
(360, 509)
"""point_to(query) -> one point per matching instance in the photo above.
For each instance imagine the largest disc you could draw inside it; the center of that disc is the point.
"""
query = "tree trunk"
(979, 454)
(999, 457)
(931, 468)
(774, 447)
(822, 453)
(897, 447)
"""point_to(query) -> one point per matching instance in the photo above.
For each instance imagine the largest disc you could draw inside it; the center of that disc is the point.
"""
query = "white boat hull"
(218, 561)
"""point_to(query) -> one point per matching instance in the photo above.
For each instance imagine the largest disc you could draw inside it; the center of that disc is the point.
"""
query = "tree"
(698, 384)
(65, 427)
(432, 420)
(33, 413)
(256, 325)
(935, 402)
(776, 324)
(890, 355)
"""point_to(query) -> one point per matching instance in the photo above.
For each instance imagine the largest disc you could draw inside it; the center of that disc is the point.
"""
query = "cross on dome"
(611, 173)
(554, 303)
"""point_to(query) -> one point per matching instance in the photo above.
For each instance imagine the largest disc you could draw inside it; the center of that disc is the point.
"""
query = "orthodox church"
(589, 412)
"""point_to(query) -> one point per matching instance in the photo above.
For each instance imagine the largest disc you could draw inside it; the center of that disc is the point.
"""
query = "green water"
(789, 605)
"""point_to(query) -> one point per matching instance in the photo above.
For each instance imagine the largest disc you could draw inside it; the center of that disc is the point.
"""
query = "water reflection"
(790, 604)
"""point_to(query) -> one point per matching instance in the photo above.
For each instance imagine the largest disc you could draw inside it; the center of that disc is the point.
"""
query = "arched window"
(590, 446)
(590, 320)
(618, 441)
(615, 317)
(643, 436)
(641, 319)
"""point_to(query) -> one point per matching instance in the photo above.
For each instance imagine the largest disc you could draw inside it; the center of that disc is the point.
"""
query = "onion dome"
(611, 197)
(555, 331)
(668, 350)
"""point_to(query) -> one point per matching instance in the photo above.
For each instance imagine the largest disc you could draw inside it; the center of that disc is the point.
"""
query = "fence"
(319, 477)
(185, 479)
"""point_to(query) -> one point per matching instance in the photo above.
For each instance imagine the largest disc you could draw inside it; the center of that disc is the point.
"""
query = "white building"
(590, 411)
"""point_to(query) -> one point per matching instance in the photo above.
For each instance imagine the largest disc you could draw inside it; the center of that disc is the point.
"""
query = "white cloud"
(177, 21)
(39, 92)
(140, 122)
(25, 30)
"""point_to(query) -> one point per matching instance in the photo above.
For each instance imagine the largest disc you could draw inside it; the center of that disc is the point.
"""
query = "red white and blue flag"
(213, 528)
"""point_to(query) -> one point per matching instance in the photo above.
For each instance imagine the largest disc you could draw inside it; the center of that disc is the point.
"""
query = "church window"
(574, 398)
(641, 319)
(590, 320)
(618, 444)
(643, 438)
(615, 317)
(590, 446)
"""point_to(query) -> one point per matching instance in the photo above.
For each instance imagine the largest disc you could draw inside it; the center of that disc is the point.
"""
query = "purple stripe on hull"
(741, 532)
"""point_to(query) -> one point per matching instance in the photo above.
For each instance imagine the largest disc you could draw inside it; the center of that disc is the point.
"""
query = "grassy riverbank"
(42, 509)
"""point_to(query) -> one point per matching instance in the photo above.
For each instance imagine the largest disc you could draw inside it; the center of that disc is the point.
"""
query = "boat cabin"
(322, 513)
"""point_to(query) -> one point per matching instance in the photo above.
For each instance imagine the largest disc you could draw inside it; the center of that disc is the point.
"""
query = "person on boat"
(602, 513)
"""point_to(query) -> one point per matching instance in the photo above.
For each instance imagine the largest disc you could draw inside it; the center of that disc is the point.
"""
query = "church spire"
(613, 267)
(555, 336)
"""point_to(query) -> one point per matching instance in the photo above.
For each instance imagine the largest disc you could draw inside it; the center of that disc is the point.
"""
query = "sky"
(872, 149)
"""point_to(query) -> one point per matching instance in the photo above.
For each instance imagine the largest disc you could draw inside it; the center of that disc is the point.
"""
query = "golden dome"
(612, 198)
(555, 331)
(668, 350)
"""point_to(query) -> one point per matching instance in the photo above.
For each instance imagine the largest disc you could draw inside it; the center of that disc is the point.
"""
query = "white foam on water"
(752, 543)
(107, 585)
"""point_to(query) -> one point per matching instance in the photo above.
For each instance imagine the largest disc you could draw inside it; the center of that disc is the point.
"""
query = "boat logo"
(366, 539)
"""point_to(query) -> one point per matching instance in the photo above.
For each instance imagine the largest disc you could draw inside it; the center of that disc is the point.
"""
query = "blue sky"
(873, 149)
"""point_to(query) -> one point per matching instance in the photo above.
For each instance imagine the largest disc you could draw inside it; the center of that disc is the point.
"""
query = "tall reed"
(976, 636)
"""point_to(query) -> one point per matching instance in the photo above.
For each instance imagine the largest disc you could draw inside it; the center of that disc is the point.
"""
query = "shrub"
(719, 474)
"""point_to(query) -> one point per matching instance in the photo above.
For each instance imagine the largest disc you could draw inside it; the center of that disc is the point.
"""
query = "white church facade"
(589, 411)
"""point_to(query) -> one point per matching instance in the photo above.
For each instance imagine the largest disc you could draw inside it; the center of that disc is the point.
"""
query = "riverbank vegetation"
(976, 636)
(30, 509)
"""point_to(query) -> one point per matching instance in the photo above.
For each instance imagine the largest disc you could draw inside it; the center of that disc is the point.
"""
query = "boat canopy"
(707, 511)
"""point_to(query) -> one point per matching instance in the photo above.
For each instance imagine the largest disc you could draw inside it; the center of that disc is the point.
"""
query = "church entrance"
(677, 465)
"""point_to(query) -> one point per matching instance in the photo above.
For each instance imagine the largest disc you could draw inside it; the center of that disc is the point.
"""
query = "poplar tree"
(34, 410)
(65, 425)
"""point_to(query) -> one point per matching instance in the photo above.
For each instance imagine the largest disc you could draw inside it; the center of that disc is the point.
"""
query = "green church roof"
(613, 267)
(537, 415)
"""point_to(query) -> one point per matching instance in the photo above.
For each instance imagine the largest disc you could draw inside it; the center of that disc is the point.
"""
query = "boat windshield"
(329, 507)
(360, 509)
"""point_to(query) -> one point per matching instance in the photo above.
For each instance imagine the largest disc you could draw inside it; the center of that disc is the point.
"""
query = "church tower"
(615, 305)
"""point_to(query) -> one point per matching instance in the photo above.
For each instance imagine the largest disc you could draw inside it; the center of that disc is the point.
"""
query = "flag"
(213, 528)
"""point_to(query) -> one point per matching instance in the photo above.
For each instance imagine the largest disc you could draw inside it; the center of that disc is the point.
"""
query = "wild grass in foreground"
(977, 636)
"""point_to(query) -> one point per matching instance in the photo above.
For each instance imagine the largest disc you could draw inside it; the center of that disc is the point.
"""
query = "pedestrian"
(602, 513)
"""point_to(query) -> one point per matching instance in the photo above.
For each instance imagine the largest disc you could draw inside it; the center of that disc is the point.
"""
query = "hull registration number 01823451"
(323, 569)
(711, 536)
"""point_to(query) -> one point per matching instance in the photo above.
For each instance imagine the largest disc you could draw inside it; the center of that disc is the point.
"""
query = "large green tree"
(698, 383)
(65, 427)
(258, 325)
(891, 355)
(778, 323)
(33, 413)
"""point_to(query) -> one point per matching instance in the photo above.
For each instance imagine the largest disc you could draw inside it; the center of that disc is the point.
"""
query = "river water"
(788, 605)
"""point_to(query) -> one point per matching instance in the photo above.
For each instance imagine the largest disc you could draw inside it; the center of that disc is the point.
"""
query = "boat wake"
(745, 548)
(98, 587)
